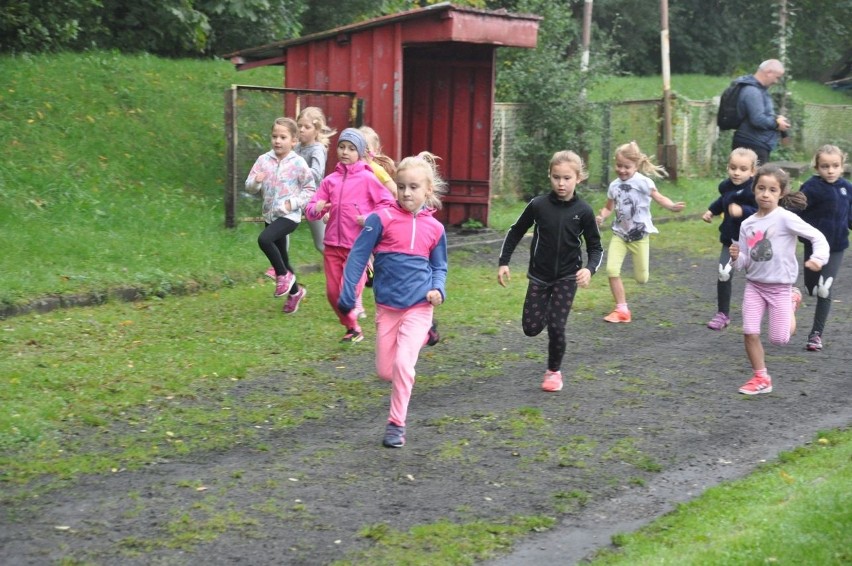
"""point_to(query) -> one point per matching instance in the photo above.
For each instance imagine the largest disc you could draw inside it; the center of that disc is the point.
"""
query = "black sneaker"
(433, 337)
(394, 436)
(814, 342)
(352, 336)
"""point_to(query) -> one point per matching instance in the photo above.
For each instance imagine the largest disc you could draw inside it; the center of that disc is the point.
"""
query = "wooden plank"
(465, 199)
(793, 168)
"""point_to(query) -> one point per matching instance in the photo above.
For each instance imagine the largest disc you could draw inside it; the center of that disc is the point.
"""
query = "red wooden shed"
(426, 81)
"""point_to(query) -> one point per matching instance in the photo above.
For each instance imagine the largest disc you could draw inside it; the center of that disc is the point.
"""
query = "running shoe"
(719, 322)
(814, 342)
(618, 316)
(353, 336)
(283, 284)
(271, 273)
(757, 385)
(394, 436)
(433, 337)
(292, 304)
(552, 381)
(797, 298)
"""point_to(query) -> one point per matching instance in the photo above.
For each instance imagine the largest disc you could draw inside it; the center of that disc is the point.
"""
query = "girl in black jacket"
(562, 221)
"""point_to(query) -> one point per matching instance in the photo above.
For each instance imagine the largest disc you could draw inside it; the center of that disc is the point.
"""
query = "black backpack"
(729, 117)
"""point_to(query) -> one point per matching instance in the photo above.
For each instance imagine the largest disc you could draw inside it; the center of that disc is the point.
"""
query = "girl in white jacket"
(767, 251)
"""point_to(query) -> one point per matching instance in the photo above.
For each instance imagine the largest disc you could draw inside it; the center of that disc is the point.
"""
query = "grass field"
(704, 87)
(112, 177)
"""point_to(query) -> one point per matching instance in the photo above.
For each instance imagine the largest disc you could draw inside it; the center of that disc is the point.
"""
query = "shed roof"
(436, 23)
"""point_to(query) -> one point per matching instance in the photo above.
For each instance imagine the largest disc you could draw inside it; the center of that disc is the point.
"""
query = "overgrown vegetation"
(730, 37)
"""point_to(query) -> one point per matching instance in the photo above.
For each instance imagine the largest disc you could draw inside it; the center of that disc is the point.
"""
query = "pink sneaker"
(271, 273)
(283, 283)
(618, 316)
(292, 304)
(757, 385)
(797, 298)
(552, 381)
(719, 322)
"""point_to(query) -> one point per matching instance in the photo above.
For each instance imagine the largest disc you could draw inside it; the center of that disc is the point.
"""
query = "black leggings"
(549, 304)
(273, 242)
(724, 288)
(827, 273)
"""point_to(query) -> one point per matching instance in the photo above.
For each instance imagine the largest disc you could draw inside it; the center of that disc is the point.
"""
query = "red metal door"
(448, 95)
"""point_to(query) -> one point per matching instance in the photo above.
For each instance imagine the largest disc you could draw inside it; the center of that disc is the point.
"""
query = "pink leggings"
(334, 259)
(400, 333)
(777, 299)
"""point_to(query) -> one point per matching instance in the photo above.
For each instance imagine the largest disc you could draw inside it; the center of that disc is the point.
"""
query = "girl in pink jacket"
(348, 194)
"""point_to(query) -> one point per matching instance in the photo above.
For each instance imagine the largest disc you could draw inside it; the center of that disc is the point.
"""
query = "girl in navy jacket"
(736, 202)
(829, 201)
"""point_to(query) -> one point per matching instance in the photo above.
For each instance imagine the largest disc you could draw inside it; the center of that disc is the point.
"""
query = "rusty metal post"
(667, 152)
(230, 157)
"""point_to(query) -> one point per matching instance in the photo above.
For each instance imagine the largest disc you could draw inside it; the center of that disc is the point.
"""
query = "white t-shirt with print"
(632, 206)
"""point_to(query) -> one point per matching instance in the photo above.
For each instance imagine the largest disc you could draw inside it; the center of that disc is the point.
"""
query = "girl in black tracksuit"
(562, 221)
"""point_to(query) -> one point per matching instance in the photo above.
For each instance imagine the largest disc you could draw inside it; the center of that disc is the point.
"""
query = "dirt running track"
(649, 417)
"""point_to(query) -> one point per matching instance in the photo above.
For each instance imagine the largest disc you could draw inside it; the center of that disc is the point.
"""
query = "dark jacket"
(729, 228)
(759, 128)
(560, 228)
(829, 210)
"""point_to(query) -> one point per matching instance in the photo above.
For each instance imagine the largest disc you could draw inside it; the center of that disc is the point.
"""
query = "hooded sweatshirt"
(352, 190)
(829, 209)
(410, 257)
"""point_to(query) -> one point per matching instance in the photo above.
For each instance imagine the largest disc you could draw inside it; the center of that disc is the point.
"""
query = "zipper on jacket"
(558, 242)
(340, 203)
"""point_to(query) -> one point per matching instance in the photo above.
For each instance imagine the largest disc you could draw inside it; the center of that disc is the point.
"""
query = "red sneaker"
(757, 385)
(618, 316)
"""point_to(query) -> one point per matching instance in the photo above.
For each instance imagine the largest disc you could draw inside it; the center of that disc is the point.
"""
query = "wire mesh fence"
(249, 114)
(824, 124)
(701, 148)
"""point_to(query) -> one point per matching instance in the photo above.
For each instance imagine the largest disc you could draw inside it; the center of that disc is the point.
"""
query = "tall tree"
(41, 25)
(237, 24)
(549, 80)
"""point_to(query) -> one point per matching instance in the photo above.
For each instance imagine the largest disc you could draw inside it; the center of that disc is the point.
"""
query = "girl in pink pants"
(767, 251)
(410, 271)
(347, 195)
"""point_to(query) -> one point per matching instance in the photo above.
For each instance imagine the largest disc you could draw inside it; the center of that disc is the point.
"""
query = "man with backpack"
(759, 128)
